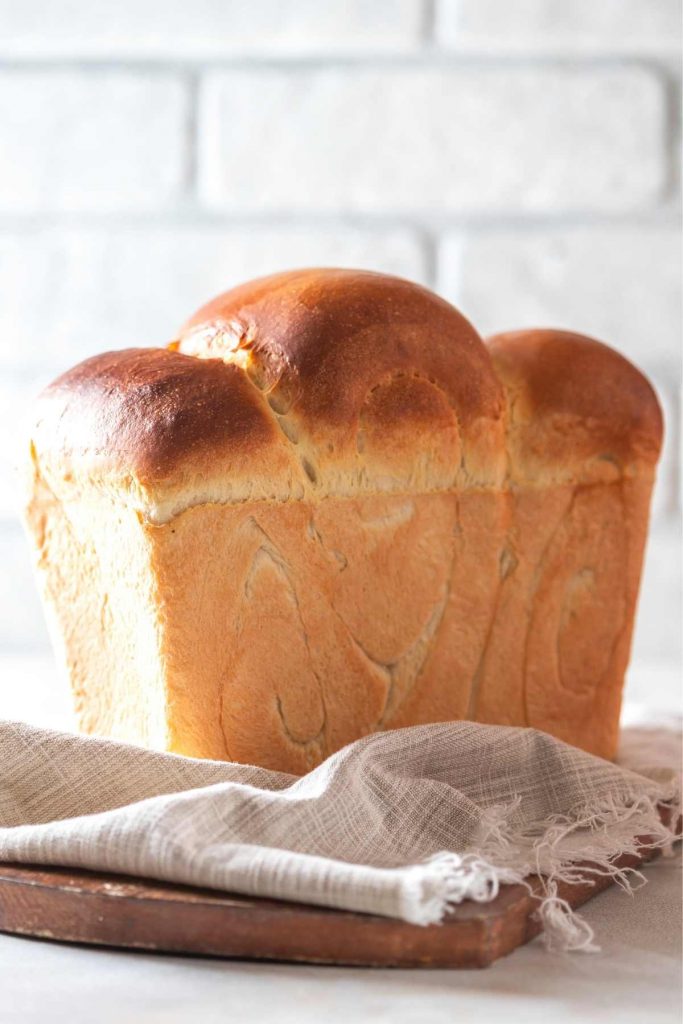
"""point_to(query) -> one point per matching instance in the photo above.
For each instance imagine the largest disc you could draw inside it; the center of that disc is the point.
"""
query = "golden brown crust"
(145, 410)
(309, 383)
(429, 586)
(331, 335)
(160, 430)
(578, 411)
(320, 343)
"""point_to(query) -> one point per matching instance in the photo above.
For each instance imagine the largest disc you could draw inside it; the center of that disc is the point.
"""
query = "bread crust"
(329, 508)
(307, 384)
(577, 410)
(584, 433)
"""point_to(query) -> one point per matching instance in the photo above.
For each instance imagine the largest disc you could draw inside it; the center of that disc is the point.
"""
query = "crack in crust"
(269, 550)
(235, 342)
(591, 691)
(508, 561)
(315, 535)
(535, 582)
(226, 746)
(590, 572)
(403, 674)
(320, 369)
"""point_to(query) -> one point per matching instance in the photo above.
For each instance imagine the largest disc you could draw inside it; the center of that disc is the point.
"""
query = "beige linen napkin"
(402, 823)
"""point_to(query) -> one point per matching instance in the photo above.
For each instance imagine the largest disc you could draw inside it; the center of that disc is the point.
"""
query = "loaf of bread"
(328, 509)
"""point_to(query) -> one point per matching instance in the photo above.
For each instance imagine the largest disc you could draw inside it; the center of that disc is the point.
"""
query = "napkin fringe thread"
(577, 848)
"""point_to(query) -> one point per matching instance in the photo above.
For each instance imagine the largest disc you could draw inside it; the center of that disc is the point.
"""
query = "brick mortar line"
(428, 25)
(672, 129)
(190, 178)
(191, 72)
(665, 215)
(427, 57)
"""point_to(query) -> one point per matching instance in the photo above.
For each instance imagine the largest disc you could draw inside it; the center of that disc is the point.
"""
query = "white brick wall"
(105, 286)
(618, 282)
(521, 156)
(97, 141)
(420, 141)
(559, 26)
(177, 29)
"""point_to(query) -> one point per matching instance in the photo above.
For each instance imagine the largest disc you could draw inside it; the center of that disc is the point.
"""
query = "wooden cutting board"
(111, 910)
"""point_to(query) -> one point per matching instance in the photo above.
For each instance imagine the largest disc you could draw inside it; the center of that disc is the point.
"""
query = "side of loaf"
(329, 508)
(584, 431)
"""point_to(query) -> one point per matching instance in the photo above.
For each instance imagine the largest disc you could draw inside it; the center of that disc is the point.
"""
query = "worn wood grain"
(85, 907)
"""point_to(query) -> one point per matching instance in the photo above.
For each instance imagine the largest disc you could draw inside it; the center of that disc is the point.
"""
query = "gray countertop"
(636, 979)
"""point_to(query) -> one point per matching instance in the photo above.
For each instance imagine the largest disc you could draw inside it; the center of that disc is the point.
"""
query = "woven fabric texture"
(402, 823)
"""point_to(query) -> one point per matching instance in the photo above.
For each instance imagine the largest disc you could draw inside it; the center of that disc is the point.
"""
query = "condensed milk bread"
(329, 508)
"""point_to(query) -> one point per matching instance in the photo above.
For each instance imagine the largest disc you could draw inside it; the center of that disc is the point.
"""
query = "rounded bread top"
(578, 411)
(314, 382)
